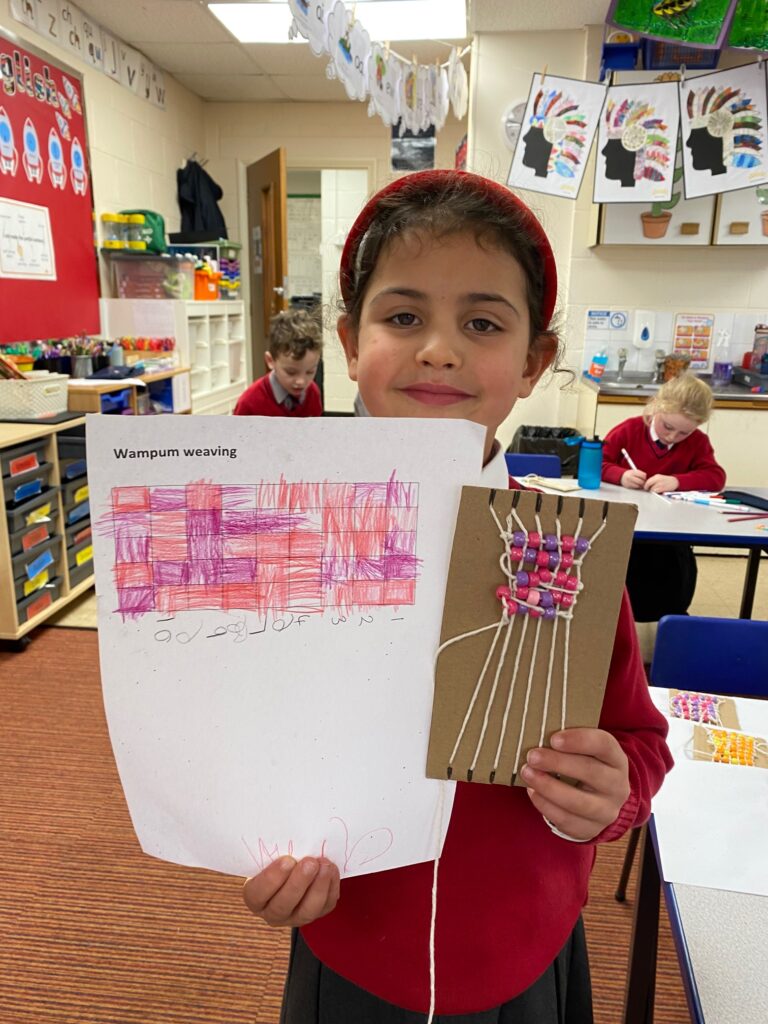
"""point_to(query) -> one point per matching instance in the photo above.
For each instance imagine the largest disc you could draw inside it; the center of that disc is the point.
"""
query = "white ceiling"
(184, 39)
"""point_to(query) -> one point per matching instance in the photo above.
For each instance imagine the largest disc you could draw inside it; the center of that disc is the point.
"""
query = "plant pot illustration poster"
(636, 143)
(723, 124)
(559, 125)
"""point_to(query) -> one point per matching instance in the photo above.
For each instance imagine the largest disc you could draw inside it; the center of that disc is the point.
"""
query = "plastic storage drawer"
(30, 563)
(79, 555)
(78, 532)
(116, 401)
(77, 512)
(23, 486)
(22, 457)
(82, 572)
(71, 456)
(74, 491)
(30, 536)
(39, 601)
(32, 511)
(24, 588)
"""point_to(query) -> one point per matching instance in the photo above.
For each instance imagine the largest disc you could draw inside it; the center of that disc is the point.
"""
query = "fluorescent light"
(384, 20)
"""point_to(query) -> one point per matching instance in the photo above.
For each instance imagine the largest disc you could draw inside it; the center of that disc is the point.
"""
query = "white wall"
(135, 148)
(501, 70)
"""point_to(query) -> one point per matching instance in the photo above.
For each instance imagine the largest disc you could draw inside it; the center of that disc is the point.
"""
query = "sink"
(628, 385)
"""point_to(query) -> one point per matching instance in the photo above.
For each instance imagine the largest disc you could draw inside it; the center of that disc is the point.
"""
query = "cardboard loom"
(727, 713)
(471, 603)
(704, 746)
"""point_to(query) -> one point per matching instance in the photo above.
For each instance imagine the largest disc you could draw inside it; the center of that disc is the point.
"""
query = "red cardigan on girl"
(692, 461)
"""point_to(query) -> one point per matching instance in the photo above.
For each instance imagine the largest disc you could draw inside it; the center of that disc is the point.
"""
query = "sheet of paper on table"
(712, 817)
(270, 594)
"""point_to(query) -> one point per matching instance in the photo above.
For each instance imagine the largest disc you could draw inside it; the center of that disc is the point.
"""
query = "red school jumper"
(692, 461)
(509, 890)
(259, 400)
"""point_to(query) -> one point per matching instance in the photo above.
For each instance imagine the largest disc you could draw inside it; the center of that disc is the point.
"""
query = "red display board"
(49, 285)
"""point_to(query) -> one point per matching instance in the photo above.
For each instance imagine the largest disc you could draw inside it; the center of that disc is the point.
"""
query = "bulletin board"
(49, 284)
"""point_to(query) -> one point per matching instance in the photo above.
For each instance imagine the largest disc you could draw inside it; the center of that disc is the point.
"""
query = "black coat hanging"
(198, 196)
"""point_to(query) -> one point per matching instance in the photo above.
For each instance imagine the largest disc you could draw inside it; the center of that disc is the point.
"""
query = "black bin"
(548, 441)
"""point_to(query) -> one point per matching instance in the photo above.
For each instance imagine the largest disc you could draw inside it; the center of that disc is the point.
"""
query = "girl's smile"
(444, 331)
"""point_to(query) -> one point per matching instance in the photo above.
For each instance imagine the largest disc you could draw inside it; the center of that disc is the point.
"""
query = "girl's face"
(444, 332)
(673, 427)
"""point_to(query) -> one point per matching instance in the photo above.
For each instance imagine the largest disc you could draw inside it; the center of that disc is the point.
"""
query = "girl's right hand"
(634, 479)
(290, 893)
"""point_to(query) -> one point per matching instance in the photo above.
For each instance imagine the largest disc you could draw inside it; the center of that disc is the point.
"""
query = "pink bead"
(534, 597)
(557, 596)
(534, 613)
(542, 558)
(545, 576)
(567, 543)
(522, 593)
(534, 578)
(512, 607)
(560, 579)
(567, 560)
(534, 540)
(566, 600)
(502, 592)
(572, 583)
(516, 554)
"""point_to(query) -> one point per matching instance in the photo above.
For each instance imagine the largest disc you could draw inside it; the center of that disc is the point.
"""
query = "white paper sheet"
(712, 819)
(241, 735)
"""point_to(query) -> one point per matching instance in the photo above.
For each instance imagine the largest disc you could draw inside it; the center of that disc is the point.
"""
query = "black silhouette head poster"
(636, 142)
(558, 129)
(723, 124)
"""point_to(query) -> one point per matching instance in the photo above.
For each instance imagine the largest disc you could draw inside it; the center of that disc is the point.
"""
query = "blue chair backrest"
(520, 464)
(728, 656)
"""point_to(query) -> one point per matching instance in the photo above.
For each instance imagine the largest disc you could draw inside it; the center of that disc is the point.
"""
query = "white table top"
(662, 519)
(725, 935)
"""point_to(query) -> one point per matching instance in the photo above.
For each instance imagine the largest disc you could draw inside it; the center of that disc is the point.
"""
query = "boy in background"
(289, 389)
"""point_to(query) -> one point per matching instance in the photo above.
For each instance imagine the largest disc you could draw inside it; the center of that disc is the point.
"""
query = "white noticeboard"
(270, 595)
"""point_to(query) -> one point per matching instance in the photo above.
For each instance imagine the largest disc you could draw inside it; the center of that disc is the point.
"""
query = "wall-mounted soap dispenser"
(645, 327)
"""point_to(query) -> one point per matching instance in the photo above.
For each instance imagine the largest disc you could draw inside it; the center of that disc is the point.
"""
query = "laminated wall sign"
(532, 600)
(48, 273)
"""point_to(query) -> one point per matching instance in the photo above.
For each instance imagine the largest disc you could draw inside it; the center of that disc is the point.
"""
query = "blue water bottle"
(590, 463)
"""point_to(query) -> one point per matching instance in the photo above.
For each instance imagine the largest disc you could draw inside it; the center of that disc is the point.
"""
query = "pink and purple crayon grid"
(269, 548)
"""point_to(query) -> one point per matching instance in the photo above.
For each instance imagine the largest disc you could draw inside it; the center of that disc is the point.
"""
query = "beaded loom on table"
(727, 746)
(532, 599)
(703, 708)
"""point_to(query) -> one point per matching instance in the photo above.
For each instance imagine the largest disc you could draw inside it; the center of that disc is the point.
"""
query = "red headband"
(430, 181)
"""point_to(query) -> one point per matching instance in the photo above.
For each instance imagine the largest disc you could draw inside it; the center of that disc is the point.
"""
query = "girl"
(670, 453)
(449, 285)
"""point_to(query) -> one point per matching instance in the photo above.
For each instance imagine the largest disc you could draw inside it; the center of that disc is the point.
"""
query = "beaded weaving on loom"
(703, 708)
(727, 746)
(494, 699)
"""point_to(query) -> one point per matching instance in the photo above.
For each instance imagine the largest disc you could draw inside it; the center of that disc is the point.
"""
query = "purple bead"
(550, 542)
(582, 545)
(530, 555)
(554, 560)
(549, 613)
(522, 578)
(547, 600)
(519, 539)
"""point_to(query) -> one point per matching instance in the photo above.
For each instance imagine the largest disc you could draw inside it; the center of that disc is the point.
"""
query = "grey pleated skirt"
(316, 995)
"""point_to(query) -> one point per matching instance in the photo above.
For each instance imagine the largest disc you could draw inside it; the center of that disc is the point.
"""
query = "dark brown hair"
(295, 332)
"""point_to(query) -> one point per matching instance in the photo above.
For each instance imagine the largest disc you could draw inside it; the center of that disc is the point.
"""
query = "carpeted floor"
(94, 932)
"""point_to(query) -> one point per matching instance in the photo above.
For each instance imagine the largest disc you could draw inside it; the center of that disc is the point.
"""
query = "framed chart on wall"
(48, 272)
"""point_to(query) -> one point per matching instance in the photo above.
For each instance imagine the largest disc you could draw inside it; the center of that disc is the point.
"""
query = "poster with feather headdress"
(723, 123)
(559, 125)
(636, 143)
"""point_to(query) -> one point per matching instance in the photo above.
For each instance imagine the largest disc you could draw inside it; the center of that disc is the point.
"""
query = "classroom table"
(720, 941)
(661, 519)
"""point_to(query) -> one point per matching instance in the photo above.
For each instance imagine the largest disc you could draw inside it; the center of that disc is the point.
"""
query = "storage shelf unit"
(70, 571)
(210, 340)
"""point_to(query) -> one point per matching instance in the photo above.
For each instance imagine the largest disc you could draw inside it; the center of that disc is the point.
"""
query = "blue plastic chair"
(725, 656)
(520, 464)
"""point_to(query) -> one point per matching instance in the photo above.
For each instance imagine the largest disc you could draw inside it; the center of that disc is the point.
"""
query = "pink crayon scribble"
(364, 850)
(272, 548)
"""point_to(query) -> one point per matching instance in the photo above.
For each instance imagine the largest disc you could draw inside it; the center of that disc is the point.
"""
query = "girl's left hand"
(596, 761)
(660, 483)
